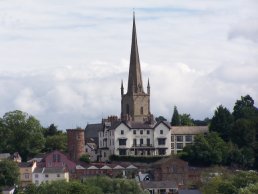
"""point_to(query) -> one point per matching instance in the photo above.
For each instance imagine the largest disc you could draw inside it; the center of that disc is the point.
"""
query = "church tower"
(135, 104)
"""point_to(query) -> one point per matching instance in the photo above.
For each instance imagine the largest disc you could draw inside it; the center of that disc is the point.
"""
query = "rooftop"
(189, 129)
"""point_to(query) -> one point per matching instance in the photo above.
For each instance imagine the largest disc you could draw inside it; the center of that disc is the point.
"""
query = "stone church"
(136, 133)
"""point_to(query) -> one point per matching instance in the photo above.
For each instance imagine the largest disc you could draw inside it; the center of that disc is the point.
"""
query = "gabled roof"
(91, 130)
(166, 123)
(181, 130)
(25, 164)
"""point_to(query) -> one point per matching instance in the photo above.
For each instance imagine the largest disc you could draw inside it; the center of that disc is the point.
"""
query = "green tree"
(175, 121)
(186, 120)
(243, 133)
(206, 150)
(56, 142)
(221, 122)
(85, 158)
(51, 130)
(23, 134)
(9, 173)
(244, 108)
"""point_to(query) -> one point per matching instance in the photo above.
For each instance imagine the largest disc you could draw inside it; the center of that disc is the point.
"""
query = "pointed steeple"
(122, 88)
(135, 75)
(148, 87)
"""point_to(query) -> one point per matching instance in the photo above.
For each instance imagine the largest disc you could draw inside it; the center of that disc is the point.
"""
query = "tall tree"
(244, 108)
(24, 133)
(186, 120)
(51, 130)
(175, 121)
(221, 122)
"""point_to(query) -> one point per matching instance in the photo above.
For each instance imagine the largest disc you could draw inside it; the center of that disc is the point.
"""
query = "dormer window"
(122, 132)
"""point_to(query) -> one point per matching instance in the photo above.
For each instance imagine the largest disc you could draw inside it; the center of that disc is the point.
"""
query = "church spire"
(135, 75)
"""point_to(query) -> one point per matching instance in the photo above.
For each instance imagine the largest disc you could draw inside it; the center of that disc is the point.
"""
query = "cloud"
(64, 62)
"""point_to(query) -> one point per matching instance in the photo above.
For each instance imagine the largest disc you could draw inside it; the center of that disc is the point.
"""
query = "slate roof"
(91, 130)
(25, 164)
(49, 170)
(189, 130)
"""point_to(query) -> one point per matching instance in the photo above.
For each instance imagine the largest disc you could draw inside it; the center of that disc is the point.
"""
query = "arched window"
(142, 110)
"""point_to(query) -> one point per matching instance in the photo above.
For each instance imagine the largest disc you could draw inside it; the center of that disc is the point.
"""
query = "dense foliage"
(94, 185)
(23, 133)
(238, 183)
(9, 173)
(233, 139)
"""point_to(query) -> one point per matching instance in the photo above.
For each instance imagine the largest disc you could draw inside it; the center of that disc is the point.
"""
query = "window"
(148, 142)
(179, 138)
(162, 151)
(141, 132)
(134, 132)
(172, 146)
(26, 175)
(122, 152)
(141, 110)
(172, 138)
(37, 182)
(58, 175)
(188, 138)
(104, 154)
(36, 176)
(161, 131)
(134, 142)
(58, 158)
(148, 132)
(122, 132)
(179, 145)
(122, 142)
(161, 141)
(46, 175)
(141, 141)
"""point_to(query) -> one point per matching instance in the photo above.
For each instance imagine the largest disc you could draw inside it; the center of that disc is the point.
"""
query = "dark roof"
(139, 125)
(91, 130)
(187, 191)
(158, 184)
(167, 159)
(49, 170)
(25, 164)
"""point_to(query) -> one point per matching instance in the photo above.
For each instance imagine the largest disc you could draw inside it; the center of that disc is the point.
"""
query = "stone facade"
(76, 143)
(135, 104)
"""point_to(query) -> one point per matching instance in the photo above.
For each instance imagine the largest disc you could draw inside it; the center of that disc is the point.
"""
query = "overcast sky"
(63, 61)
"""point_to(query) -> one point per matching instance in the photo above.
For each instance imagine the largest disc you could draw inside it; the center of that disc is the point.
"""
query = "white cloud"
(64, 61)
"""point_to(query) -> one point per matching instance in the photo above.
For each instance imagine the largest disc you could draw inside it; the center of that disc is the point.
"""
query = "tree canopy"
(22, 133)
(9, 173)
(94, 185)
